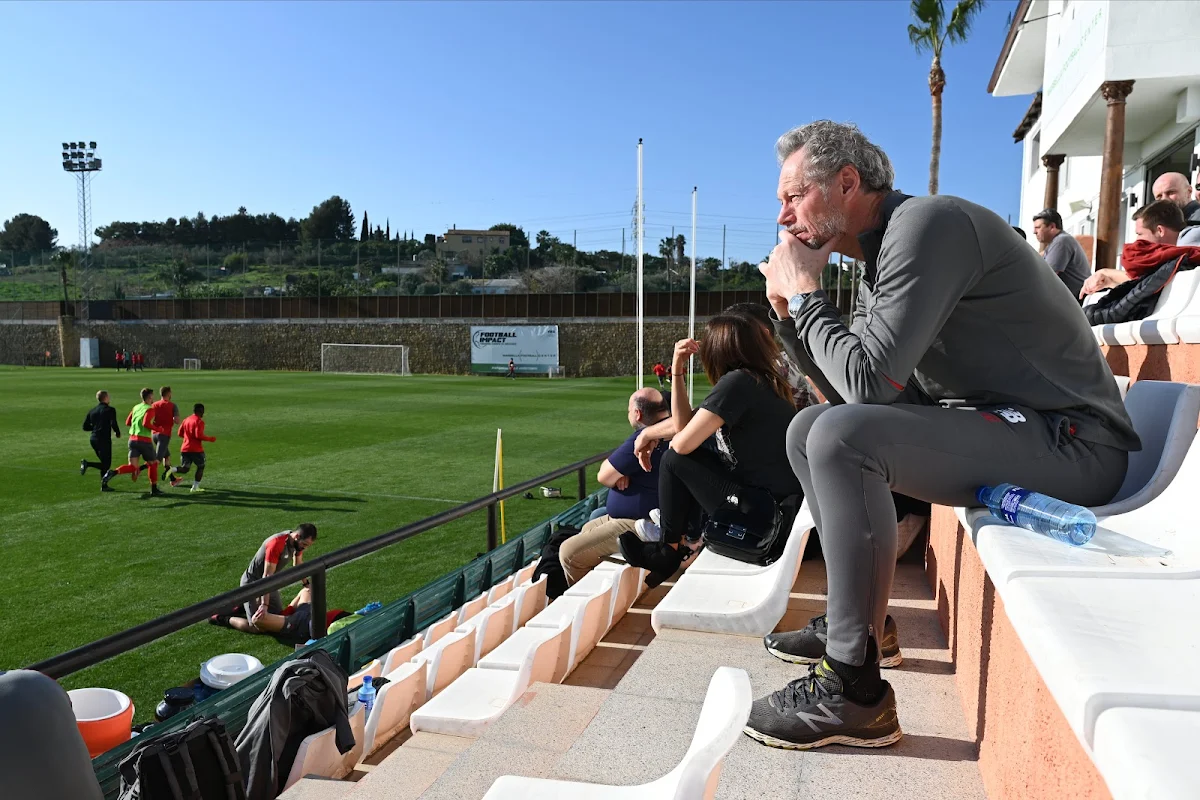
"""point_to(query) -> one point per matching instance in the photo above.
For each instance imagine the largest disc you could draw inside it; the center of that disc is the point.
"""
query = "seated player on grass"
(291, 626)
(191, 430)
(276, 553)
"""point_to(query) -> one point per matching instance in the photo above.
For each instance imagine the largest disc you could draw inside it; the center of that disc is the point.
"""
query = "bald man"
(632, 491)
(1174, 186)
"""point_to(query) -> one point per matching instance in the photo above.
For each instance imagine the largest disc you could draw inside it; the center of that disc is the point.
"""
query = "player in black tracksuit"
(101, 420)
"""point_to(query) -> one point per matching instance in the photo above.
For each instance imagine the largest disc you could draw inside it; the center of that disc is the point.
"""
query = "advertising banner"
(534, 348)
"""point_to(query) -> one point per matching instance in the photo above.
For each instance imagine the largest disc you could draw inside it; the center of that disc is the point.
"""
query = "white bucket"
(223, 671)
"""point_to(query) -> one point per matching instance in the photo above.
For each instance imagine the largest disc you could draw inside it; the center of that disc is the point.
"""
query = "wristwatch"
(796, 303)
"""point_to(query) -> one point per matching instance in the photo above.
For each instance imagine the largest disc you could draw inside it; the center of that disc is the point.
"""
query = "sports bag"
(196, 763)
(751, 527)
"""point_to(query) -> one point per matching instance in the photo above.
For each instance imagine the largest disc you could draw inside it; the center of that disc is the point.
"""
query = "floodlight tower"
(80, 158)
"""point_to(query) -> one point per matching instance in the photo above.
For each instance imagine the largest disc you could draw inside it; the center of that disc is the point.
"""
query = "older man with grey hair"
(967, 363)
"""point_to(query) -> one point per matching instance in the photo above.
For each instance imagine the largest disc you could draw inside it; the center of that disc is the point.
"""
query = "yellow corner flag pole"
(498, 479)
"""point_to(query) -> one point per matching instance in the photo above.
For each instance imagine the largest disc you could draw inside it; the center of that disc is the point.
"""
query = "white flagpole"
(692, 306)
(641, 246)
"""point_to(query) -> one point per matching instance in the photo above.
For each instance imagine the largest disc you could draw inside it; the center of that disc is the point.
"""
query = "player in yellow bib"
(141, 445)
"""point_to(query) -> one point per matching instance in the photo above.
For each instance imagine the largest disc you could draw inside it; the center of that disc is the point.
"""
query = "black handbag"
(751, 527)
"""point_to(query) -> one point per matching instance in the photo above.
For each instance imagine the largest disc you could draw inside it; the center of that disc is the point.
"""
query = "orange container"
(104, 717)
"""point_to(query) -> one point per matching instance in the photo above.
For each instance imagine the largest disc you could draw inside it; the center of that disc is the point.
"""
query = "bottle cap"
(982, 492)
(366, 680)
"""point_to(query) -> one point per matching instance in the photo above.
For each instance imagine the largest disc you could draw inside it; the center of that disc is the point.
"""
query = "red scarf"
(1140, 256)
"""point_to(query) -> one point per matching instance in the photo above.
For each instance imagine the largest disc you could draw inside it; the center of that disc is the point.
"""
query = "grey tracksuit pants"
(849, 458)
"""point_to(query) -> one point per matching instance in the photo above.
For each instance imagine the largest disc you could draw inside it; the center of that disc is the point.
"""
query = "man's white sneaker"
(647, 531)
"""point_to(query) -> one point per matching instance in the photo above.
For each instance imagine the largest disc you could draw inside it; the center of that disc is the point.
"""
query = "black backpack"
(751, 527)
(196, 763)
(549, 565)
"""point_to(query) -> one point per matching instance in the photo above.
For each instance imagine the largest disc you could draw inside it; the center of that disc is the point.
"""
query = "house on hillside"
(471, 246)
(1115, 92)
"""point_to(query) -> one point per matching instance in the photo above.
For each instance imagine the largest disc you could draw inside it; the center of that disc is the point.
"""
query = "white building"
(1086, 62)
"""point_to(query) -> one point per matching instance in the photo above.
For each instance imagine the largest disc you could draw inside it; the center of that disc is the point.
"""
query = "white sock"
(195, 484)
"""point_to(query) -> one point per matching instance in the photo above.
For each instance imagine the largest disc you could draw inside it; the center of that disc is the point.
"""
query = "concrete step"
(317, 789)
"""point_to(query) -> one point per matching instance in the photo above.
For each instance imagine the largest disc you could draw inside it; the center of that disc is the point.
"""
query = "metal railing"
(103, 649)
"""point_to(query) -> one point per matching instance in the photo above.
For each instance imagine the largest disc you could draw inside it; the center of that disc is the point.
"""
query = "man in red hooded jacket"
(1157, 226)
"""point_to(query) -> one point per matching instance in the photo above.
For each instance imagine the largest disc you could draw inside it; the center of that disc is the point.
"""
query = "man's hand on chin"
(793, 268)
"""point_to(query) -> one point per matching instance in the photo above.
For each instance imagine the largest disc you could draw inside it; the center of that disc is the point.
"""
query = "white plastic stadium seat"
(394, 703)
(472, 607)
(501, 589)
(1157, 538)
(402, 653)
(511, 654)
(1109, 640)
(1122, 385)
(721, 595)
(627, 587)
(596, 580)
(528, 600)
(525, 574)
(726, 709)
(373, 668)
(479, 696)
(318, 754)
(492, 626)
(1164, 414)
(587, 615)
(440, 628)
(1148, 752)
(1160, 326)
(448, 657)
(1187, 326)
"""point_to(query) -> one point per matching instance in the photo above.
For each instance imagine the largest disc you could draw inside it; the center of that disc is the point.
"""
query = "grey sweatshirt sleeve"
(929, 258)
(785, 329)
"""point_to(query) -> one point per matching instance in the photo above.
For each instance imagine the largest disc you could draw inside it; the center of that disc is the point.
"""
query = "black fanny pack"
(751, 526)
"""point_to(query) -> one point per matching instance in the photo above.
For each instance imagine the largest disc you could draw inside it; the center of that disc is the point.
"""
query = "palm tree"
(930, 35)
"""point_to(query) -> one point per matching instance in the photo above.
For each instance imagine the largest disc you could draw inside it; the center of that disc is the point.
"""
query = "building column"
(1108, 218)
(1052, 163)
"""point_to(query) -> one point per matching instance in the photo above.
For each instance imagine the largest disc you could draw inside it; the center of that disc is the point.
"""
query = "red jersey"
(164, 414)
(192, 431)
(659, 370)
(120, 356)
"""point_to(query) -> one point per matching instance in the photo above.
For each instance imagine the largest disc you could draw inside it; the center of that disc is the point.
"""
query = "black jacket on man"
(100, 420)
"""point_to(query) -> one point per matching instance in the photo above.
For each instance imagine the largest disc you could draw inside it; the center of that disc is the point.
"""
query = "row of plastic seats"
(418, 669)
(546, 649)
(721, 595)
(1176, 316)
(1107, 624)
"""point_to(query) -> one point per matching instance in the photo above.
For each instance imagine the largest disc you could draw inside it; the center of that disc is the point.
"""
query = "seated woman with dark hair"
(747, 412)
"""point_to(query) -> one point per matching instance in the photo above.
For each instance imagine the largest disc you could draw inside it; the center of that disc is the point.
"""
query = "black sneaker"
(108, 476)
(104, 487)
(807, 645)
(155, 491)
(661, 561)
(83, 466)
(812, 712)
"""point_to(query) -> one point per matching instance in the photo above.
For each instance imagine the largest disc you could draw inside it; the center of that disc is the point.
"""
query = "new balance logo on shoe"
(826, 716)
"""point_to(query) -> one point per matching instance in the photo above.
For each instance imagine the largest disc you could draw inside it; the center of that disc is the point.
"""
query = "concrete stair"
(627, 714)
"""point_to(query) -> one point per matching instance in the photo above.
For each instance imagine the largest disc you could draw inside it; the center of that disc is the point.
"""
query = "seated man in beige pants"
(632, 491)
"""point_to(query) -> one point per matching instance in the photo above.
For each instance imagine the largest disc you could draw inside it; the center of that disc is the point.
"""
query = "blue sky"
(438, 114)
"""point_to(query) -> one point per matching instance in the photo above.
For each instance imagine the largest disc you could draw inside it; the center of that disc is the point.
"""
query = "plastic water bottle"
(1066, 522)
(366, 695)
(374, 605)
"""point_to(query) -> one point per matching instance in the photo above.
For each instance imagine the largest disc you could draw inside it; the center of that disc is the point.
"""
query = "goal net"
(556, 372)
(365, 359)
(191, 363)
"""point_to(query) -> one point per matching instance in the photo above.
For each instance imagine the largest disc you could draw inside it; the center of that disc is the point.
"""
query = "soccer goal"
(191, 363)
(556, 372)
(365, 359)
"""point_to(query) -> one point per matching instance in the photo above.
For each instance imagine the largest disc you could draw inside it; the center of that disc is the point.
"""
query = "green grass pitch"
(357, 455)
